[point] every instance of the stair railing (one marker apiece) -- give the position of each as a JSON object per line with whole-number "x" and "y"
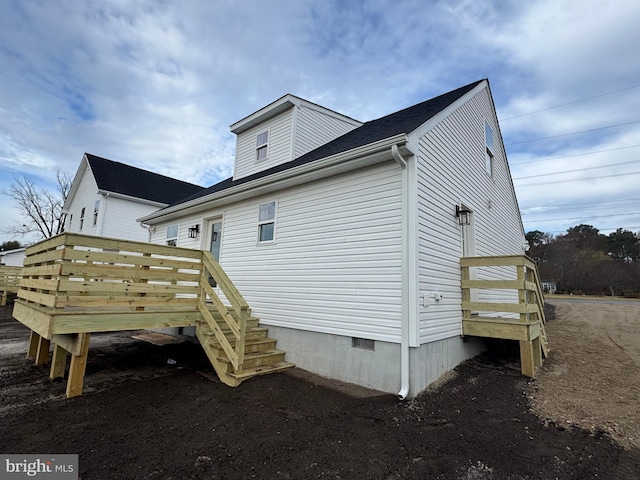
{"x": 235, "y": 319}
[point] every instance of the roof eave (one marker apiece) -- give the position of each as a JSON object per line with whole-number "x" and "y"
{"x": 358, "y": 157}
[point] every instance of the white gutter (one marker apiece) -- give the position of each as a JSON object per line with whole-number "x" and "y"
{"x": 342, "y": 161}
{"x": 404, "y": 310}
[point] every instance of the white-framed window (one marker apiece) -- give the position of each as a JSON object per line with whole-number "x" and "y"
{"x": 96, "y": 207}
{"x": 70, "y": 220}
{"x": 262, "y": 146}
{"x": 81, "y": 218}
{"x": 266, "y": 222}
{"x": 172, "y": 235}
{"x": 488, "y": 154}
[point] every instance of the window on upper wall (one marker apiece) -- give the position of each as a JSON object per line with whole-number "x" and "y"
{"x": 96, "y": 207}
{"x": 262, "y": 145}
{"x": 172, "y": 235}
{"x": 70, "y": 220}
{"x": 488, "y": 155}
{"x": 266, "y": 222}
{"x": 81, "y": 218}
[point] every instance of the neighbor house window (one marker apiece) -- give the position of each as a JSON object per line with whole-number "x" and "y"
{"x": 96, "y": 207}
{"x": 172, "y": 235}
{"x": 266, "y": 222}
{"x": 488, "y": 155}
{"x": 262, "y": 144}
{"x": 81, "y": 218}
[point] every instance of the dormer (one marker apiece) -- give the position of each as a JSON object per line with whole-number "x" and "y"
{"x": 284, "y": 130}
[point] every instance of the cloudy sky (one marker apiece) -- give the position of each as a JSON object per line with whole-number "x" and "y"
{"x": 156, "y": 84}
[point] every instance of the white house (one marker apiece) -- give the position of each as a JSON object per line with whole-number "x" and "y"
{"x": 107, "y": 197}
{"x": 346, "y": 237}
{"x": 12, "y": 258}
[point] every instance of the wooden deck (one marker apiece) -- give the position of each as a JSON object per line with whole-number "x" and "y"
{"x": 522, "y": 319}
{"x": 9, "y": 279}
{"x": 73, "y": 285}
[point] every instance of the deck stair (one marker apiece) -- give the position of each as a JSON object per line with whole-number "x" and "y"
{"x": 502, "y": 298}
{"x": 260, "y": 354}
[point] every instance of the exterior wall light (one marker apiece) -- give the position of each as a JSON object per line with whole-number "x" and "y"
{"x": 463, "y": 215}
{"x": 194, "y": 231}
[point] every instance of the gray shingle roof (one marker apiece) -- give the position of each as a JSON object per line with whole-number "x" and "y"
{"x": 124, "y": 179}
{"x": 403, "y": 121}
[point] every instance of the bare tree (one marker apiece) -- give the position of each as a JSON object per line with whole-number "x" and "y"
{"x": 41, "y": 208}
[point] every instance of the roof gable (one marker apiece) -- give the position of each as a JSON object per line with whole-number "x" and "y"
{"x": 402, "y": 121}
{"x": 116, "y": 177}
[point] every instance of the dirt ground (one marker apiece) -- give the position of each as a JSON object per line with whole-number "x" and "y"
{"x": 143, "y": 417}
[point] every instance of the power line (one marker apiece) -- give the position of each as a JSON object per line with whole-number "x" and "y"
{"x": 578, "y": 179}
{"x": 577, "y": 170}
{"x": 573, "y": 133}
{"x": 575, "y": 155}
{"x": 573, "y": 102}
{"x": 580, "y": 216}
{"x": 615, "y": 203}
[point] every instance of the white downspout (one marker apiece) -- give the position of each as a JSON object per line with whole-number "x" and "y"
{"x": 404, "y": 317}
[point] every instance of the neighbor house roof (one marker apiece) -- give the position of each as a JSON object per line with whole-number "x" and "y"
{"x": 403, "y": 121}
{"x": 116, "y": 177}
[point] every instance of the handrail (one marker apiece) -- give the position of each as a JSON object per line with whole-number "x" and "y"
{"x": 235, "y": 319}
{"x": 521, "y": 283}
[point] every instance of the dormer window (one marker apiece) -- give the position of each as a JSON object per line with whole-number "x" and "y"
{"x": 262, "y": 144}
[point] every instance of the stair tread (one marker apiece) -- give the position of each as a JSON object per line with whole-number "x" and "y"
{"x": 255, "y": 355}
{"x": 262, "y": 370}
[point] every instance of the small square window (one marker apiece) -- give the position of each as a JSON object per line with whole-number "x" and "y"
{"x": 172, "y": 235}
{"x": 266, "y": 222}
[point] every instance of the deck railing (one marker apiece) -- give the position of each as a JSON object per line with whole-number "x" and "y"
{"x": 76, "y": 284}
{"x": 518, "y": 314}
{"x": 9, "y": 279}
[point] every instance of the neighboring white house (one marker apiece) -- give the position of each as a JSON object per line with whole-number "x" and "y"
{"x": 346, "y": 237}
{"x": 549, "y": 287}
{"x": 107, "y": 197}
{"x": 12, "y": 258}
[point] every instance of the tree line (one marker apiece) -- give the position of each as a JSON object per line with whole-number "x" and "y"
{"x": 585, "y": 261}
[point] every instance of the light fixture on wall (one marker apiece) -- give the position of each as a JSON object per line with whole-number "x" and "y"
{"x": 194, "y": 231}
{"x": 463, "y": 214}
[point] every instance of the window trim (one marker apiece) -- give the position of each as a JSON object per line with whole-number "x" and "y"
{"x": 96, "y": 209}
{"x": 267, "y": 221}
{"x": 172, "y": 241}
{"x": 81, "y": 218}
{"x": 262, "y": 146}
{"x": 489, "y": 149}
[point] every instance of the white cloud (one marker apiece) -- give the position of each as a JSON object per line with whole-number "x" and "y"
{"x": 157, "y": 84}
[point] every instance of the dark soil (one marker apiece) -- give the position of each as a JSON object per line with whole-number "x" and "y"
{"x": 141, "y": 418}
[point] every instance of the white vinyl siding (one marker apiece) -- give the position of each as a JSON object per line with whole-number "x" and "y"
{"x": 315, "y": 128}
{"x": 120, "y": 219}
{"x": 279, "y": 145}
{"x": 451, "y": 169}
{"x": 336, "y": 265}
{"x": 85, "y": 197}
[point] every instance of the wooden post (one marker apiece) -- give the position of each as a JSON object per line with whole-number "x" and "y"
{"x": 77, "y": 367}
{"x": 34, "y": 339}
{"x": 3, "y": 301}
{"x": 527, "y": 362}
{"x": 537, "y": 352}
{"x": 58, "y": 362}
{"x": 466, "y": 293}
{"x": 42, "y": 356}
